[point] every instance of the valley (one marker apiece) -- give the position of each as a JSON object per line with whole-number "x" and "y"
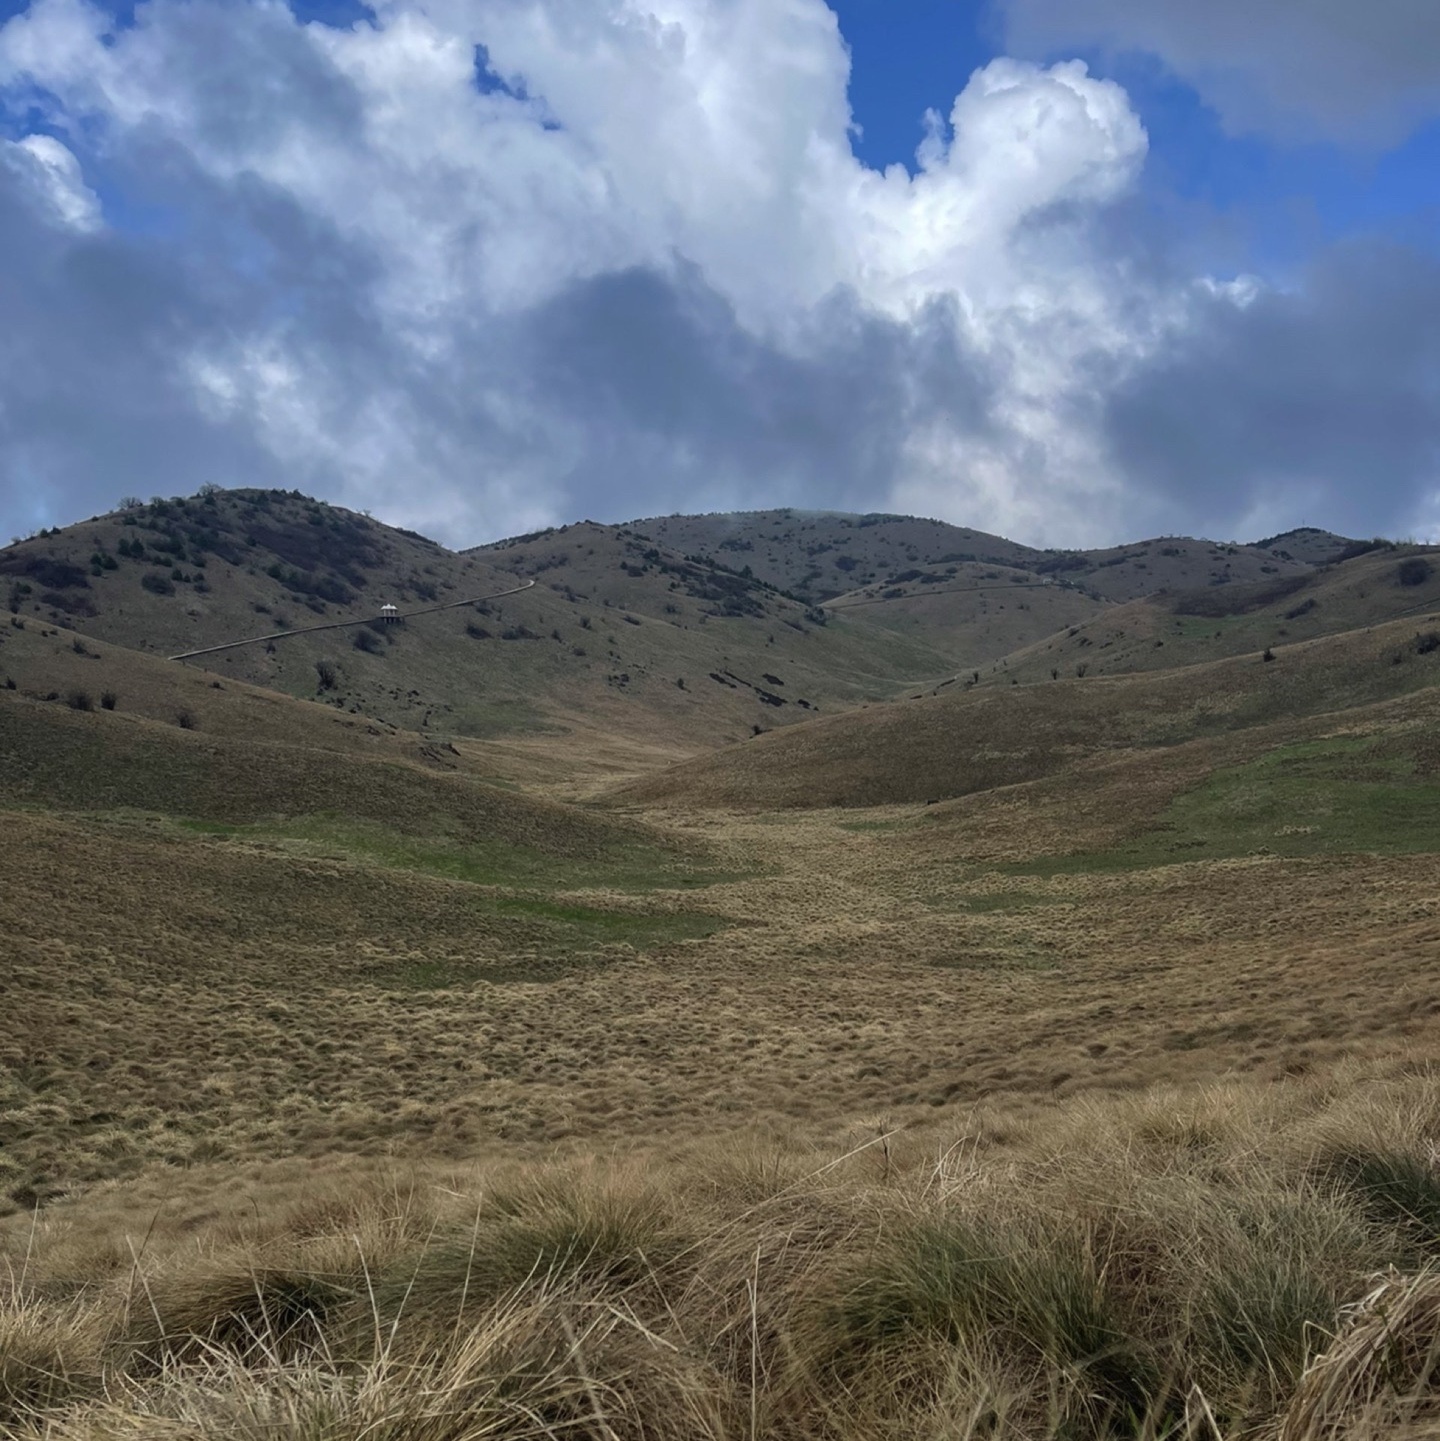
{"x": 928, "y": 1020}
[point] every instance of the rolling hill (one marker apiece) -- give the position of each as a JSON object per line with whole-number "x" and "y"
{"x": 822, "y": 555}
{"x": 664, "y": 637}
{"x": 974, "y": 596}
{"x": 1381, "y": 584}
{"x": 966, "y": 738}
{"x": 616, "y": 638}
{"x": 1053, "y": 1051}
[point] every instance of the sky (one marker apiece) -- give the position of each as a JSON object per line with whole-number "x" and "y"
{"x": 1072, "y": 271}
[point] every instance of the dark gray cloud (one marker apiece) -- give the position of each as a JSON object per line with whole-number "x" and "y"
{"x": 634, "y": 391}
{"x": 1322, "y": 401}
{"x": 679, "y": 404}
{"x": 91, "y": 404}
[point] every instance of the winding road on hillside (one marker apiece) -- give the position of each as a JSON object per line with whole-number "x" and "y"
{"x": 345, "y": 624}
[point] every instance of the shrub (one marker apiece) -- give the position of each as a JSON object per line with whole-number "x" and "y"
{"x": 1257, "y": 1320}
{"x": 157, "y": 584}
{"x": 1356, "y": 548}
{"x": 325, "y": 671}
{"x": 1427, "y": 641}
{"x": 108, "y": 700}
{"x": 1415, "y": 570}
{"x": 476, "y": 632}
{"x": 79, "y": 700}
{"x": 185, "y": 719}
{"x": 617, "y": 1236}
{"x": 368, "y": 641}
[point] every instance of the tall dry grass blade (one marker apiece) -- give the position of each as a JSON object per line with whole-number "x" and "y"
{"x": 1381, "y": 1371}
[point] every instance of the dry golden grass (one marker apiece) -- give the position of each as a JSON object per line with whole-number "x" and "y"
{"x": 1143, "y": 1267}
{"x": 189, "y": 997}
{"x": 960, "y": 742}
{"x": 344, "y": 1097}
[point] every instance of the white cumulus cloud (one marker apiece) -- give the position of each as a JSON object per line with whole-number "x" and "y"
{"x": 54, "y": 176}
{"x": 1292, "y": 67}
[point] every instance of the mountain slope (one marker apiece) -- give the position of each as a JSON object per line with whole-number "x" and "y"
{"x": 974, "y": 596}
{"x": 616, "y": 638}
{"x": 1386, "y": 583}
{"x": 967, "y": 740}
{"x": 821, "y": 555}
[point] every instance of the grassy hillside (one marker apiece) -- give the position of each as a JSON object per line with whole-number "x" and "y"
{"x": 821, "y": 555}
{"x": 1183, "y": 627}
{"x": 175, "y": 575}
{"x": 911, "y": 1121}
{"x": 616, "y": 638}
{"x": 967, "y": 739}
{"x": 977, "y": 613}
{"x": 1124, "y": 1270}
{"x": 974, "y": 596}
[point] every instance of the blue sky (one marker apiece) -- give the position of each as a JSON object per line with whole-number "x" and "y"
{"x": 1192, "y": 287}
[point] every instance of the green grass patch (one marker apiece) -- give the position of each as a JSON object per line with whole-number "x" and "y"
{"x": 562, "y": 940}
{"x": 636, "y": 868}
{"x": 1204, "y": 627}
{"x": 1344, "y": 795}
{"x": 500, "y": 718}
{"x": 993, "y": 901}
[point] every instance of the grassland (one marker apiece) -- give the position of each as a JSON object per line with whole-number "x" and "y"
{"x": 351, "y": 1095}
{"x": 964, "y": 741}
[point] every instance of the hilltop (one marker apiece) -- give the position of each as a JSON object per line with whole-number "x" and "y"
{"x": 822, "y": 556}
{"x": 691, "y": 631}
{"x": 975, "y": 596}
{"x": 618, "y": 638}
{"x": 1376, "y": 583}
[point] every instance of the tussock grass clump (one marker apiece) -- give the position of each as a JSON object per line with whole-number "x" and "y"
{"x": 615, "y": 1235}
{"x": 1381, "y": 1376}
{"x": 48, "y": 1356}
{"x": 251, "y": 1313}
{"x": 1394, "y": 1187}
{"x": 540, "y": 1366}
{"x": 1132, "y": 1269}
{"x": 1026, "y": 1296}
